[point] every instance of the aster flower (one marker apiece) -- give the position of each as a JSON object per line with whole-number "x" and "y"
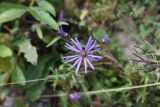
{"x": 74, "y": 96}
{"x": 82, "y": 54}
{"x": 62, "y": 32}
{"x": 105, "y": 38}
{"x": 61, "y": 16}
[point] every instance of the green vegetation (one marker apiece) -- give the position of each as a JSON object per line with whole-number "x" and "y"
{"x": 33, "y": 72}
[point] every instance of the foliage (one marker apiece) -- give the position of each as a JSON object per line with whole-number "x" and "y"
{"x": 31, "y": 49}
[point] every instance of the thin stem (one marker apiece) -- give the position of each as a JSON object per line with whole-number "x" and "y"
{"x": 20, "y": 82}
{"x": 32, "y": 3}
{"x": 121, "y": 89}
{"x": 105, "y": 90}
{"x": 88, "y": 92}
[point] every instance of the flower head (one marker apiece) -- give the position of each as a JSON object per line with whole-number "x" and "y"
{"x": 74, "y": 96}
{"x": 61, "y": 16}
{"x": 61, "y": 31}
{"x": 82, "y": 54}
{"x": 105, "y": 38}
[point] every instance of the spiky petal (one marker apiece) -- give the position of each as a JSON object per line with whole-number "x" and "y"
{"x": 84, "y": 55}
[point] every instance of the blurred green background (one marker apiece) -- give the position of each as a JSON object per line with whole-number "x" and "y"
{"x": 31, "y": 48}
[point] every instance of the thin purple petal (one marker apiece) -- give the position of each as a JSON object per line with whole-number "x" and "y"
{"x": 61, "y": 31}
{"x": 95, "y": 56}
{"x": 77, "y": 44}
{"x": 78, "y": 66}
{"x": 80, "y": 46}
{"x": 72, "y": 59}
{"x": 85, "y": 65}
{"x": 91, "y": 51}
{"x": 70, "y": 56}
{"x": 76, "y": 62}
{"x": 94, "y": 43}
{"x": 61, "y": 16}
{"x": 90, "y": 64}
{"x": 71, "y": 48}
{"x": 88, "y": 43}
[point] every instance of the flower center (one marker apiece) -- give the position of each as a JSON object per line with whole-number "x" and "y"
{"x": 83, "y": 53}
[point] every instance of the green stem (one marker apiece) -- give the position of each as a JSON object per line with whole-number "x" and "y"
{"x": 32, "y": 3}
{"x": 120, "y": 89}
{"x": 105, "y": 90}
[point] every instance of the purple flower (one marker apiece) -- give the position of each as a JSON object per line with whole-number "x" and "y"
{"x": 105, "y": 38}
{"x": 74, "y": 96}
{"x": 82, "y": 54}
{"x": 61, "y": 16}
{"x": 61, "y": 31}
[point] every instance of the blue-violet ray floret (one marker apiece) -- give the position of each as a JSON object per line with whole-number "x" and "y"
{"x": 83, "y": 55}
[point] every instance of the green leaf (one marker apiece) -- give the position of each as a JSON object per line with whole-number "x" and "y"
{"x": 144, "y": 31}
{"x": 44, "y": 17}
{"x": 21, "y": 103}
{"x": 6, "y": 64}
{"x": 35, "y": 92}
{"x": 18, "y": 76}
{"x": 5, "y": 51}
{"x": 99, "y": 33}
{"x": 63, "y": 100}
{"x": 30, "y": 52}
{"x": 38, "y": 30}
{"x": 47, "y": 6}
{"x": 8, "y": 6}
{"x": 138, "y": 10}
{"x": 35, "y": 89}
{"x": 54, "y": 41}
{"x": 11, "y": 14}
{"x": 2, "y": 78}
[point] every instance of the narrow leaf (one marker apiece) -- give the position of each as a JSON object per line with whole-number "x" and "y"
{"x": 38, "y": 30}
{"x": 63, "y": 23}
{"x": 54, "y": 41}
{"x": 7, "y": 6}
{"x": 11, "y": 14}
{"x": 44, "y": 17}
{"x": 47, "y": 6}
